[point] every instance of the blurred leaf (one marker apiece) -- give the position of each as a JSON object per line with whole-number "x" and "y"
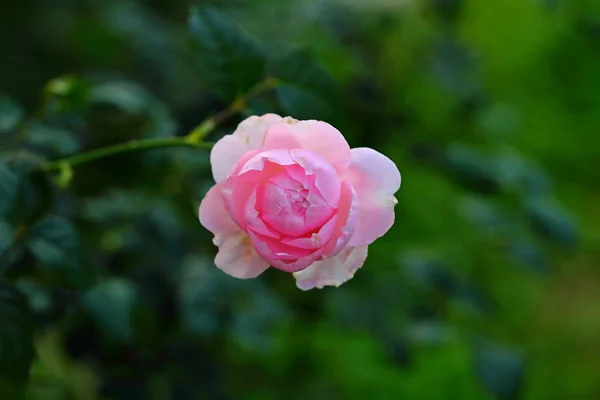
{"x": 55, "y": 243}
{"x": 128, "y": 108}
{"x": 54, "y": 141}
{"x": 8, "y": 188}
{"x": 116, "y": 206}
{"x": 66, "y": 94}
{"x": 55, "y": 376}
{"x": 38, "y": 295}
{"x": 302, "y": 104}
{"x": 429, "y": 333}
{"x": 228, "y": 60}
{"x": 430, "y": 273}
{"x": 529, "y": 254}
{"x": 448, "y": 9}
{"x": 436, "y": 275}
{"x": 550, "y": 220}
{"x": 500, "y": 369}
{"x": 126, "y": 97}
{"x": 300, "y": 68}
{"x": 258, "y": 313}
{"x": 485, "y": 213}
{"x": 260, "y": 106}
{"x": 454, "y": 68}
{"x": 16, "y": 340}
{"x": 10, "y": 115}
{"x": 33, "y": 197}
{"x": 6, "y": 236}
{"x": 112, "y": 304}
{"x": 305, "y": 90}
{"x": 199, "y": 291}
{"x": 472, "y": 170}
{"x": 499, "y": 120}
{"x": 520, "y": 174}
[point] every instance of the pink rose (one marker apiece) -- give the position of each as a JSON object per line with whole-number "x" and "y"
{"x": 292, "y": 195}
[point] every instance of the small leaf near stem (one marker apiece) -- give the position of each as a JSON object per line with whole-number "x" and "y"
{"x": 65, "y": 175}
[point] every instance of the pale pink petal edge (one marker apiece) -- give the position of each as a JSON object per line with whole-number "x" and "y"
{"x": 333, "y": 271}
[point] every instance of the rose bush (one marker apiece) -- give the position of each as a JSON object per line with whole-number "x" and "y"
{"x": 293, "y": 195}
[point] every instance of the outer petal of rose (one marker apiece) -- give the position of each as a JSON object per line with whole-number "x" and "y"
{"x": 213, "y": 215}
{"x": 375, "y": 179}
{"x": 249, "y": 135}
{"x": 236, "y": 255}
{"x": 333, "y": 271}
{"x": 316, "y": 136}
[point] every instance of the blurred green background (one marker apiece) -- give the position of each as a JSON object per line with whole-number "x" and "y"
{"x": 487, "y": 287}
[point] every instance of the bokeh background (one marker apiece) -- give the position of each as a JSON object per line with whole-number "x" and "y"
{"x": 487, "y": 287}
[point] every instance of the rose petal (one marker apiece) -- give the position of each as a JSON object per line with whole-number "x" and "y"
{"x": 331, "y": 238}
{"x": 333, "y": 271}
{"x": 316, "y": 136}
{"x": 346, "y": 222}
{"x": 249, "y": 135}
{"x": 236, "y": 256}
{"x": 213, "y": 215}
{"x": 375, "y": 179}
{"x": 237, "y": 189}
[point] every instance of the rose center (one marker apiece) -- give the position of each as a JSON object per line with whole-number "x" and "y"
{"x": 292, "y": 204}
{"x": 298, "y": 202}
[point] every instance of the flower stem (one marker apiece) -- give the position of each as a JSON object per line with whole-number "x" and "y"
{"x": 123, "y": 148}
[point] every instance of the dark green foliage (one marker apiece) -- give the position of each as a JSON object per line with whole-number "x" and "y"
{"x": 551, "y": 221}
{"x": 8, "y": 188}
{"x": 10, "y": 115}
{"x": 112, "y": 305}
{"x": 52, "y": 141}
{"x": 16, "y": 336}
{"x": 227, "y": 59}
{"x": 28, "y": 188}
{"x": 485, "y": 288}
{"x": 472, "y": 170}
{"x": 501, "y": 370}
{"x": 305, "y": 90}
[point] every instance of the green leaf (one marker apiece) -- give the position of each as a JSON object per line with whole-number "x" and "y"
{"x": 306, "y": 91}
{"x": 112, "y": 304}
{"x": 472, "y": 170}
{"x": 127, "y": 97}
{"x": 198, "y": 297}
{"x": 228, "y": 60}
{"x": 500, "y": 369}
{"x": 6, "y": 236}
{"x": 302, "y": 104}
{"x": 10, "y": 115}
{"x": 16, "y": 340}
{"x": 55, "y": 243}
{"x": 66, "y": 94}
{"x": 300, "y": 68}
{"x": 551, "y": 221}
{"x": 122, "y": 108}
{"x": 33, "y": 195}
{"x": 8, "y": 188}
{"x": 56, "y": 142}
